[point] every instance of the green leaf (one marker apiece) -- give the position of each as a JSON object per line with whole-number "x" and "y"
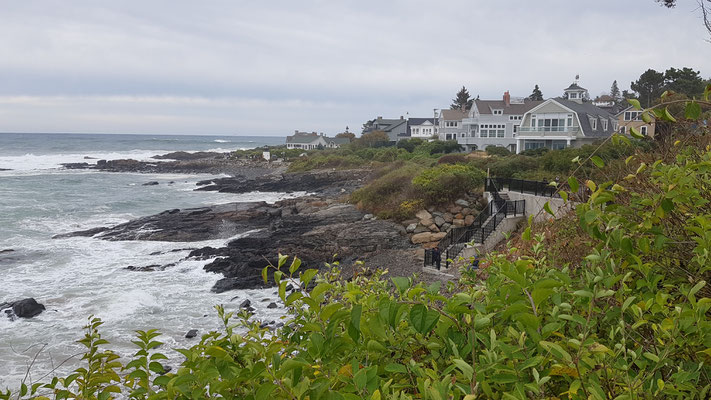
{"x": 466, "y": 369}
{"x": 282, "y": 260}
{"x": 597, "y": 161}
{"x": 573, "y": 183}
{"x": 635, "y": 133}
{"x": 635, "y": 103}
{"x": 547, "y": 207}
{"x": 556, "y": 350}
{"x": 422, "y": 319}
{"x": 563, "y": 195}
{"x": 395, "y": 368}
{"x": 401, "y": 283}
{"x": 692, "y": 111}
{"x": 282, "y": 290}
{"x": 668, "y": 116}
{"x": 646, "y": 117}
{"x": 265, "y": 272}
{"x": 526, "y": 235}
{"x": 651, "y": 356}
{"x": 354, "y": 325}
{"x": 265, "y": 390}
{"x": 308, "y": 275}
{"x": 295, "y": 264}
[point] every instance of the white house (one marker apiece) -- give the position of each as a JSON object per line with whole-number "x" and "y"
{"x": 313, "y": 140}
{"x": 494, "y": 122}
{"x": 559, "y": 123}
{"x": 423, "y": 128}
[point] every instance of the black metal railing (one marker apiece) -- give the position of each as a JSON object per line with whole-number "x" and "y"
{"x": 483, "y": 226}
{"x": 537, "y": 188}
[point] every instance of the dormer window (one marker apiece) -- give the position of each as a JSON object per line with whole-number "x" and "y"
{"x": 604, "y": 124}
{"x": 593, "y": 123}
{"x": 498, "y": 112}
{"x": 573, "y": 95}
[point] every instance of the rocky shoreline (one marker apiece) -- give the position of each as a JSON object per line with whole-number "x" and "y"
{"x": 317, "y": 228}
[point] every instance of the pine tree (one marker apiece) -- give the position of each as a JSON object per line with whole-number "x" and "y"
{"x": 462, "y": 101}
{"x": 536, "y": 95}
{"x": 615, "y": 92}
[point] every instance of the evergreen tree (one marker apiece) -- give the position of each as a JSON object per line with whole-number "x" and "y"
{"x": 615, "y": 92}
{"x": 685, "y": 81}
{"x": 462, "y": 101}
{"x": 649, "y": 86}
{"x": 537, "y": 94}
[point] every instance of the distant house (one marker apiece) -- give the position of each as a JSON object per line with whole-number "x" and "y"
{"x": 632, "y": 118}
{"x": 313, "y": 140}
{"x": 396, "y": 129}
{"x": 494, "y": 122}
{"x": 450, "y": 124}
{"x": 570, "y": 121}
{"x": 423, "y": 128}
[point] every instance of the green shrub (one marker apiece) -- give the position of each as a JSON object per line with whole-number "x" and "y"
{"x": 446, "y": 182}
{"x": 535, "y": 152}
{"x": 497, "y": 151}
{"x": 391, "y": 187}
{"x": 453, "y": 159}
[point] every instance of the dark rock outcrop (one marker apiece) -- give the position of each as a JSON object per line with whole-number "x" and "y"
{"x": 25, "y": 308}
{"x": 191, "y": 333}
{"x": 151, "y": 183}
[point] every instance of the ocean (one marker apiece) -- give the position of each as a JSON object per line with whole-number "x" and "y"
{"x": 78, "y": 277}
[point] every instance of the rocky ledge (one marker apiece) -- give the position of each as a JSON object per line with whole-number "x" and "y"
{"x": 25, "y": 308}
{"x": 315, "y": 229}
{"x": 187, "y": 163}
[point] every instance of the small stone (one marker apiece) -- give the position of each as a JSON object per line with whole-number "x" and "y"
{"x": 433, "y": 228}
{"x": 439, "y": 221}
{"x": 458, "y": 222}
{"x": 448, "y": 217}
{"x": 411, "y": 228}
{"x": 462, "y": 202}
{"x": 423, "y": 214}
{"x": 151, "y": 183}
{"x": 245, "y": 304}
{"x": 459, "y": 216}
{"x": 289, "y": 287}
{"x": 420, "y": 228}
{"x": 466, "y": 211}
{"x": 368, "y": 216}
{"x": 445, "y": 227}
{"x": 455, "y": 209}
{"x": 272, "y": 305}
{"x": 468, "y": 220}
{"x": 191, "y": 333}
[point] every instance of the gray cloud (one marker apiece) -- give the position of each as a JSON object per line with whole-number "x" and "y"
{"x": 230, "y": 67}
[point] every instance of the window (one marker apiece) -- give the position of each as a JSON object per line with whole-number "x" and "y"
{"x": 515, "y": 129}
{"x": 451, "y": 124}
{"x": 550, "y": 125}
{"x": 498, "y": 112}
{"x": 492, "y": 130}
{"x": 593, "y": 123}
{"x": 614, "y": 126}
{"x": 573, "y": 95}
{"x": 622, "y": 130}
{"x": 515, "y": 117}
{"x": 558, "y": 144}
{"x": 533, "y": 144}
{"x": 570, "y": 119}
{"x": 604, "y": 124}
{"x": 643, "y": 130}
{"x": 633, "y": 115}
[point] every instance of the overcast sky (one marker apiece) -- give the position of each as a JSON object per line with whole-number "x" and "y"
{"x": 268, "y": 68}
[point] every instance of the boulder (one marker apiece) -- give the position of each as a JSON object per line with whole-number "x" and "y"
{"x": 423, "y": 214}
{"x": 462, "y": 202}
{"x": 458, "y": 222}
{"x": 468, "y": 220}
{"x": 272, "y": 305}
{"x": 420, "y": 228}
{"x": 459, "y": 216}
{"x": 448, "y": 217}
{"x": 439, "y": 221}
{"x": 455, "y": 209}
{"x": 411, "y": 228}
{"x": 445, "y": 227}
{"x": 245, "y": 304}
{"x": 151, "y": 183}
{"x": 466, "y": 211}
{"x": 433, "y": 228}
{"x": 427, "y": 237}
{"x": 27, "y": 308}
{"x": 191, "y": 333}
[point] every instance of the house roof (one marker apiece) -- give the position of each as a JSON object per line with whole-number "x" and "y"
{"x": 337, "y": 140}
{"x": 486, "y": 106}
{"x": 574, "y": 86}
{"x": 586, "y": 111}
{"x": 420, "y": 121}
{"x": 303, "y": 139}
{"x": 454, "y": 115}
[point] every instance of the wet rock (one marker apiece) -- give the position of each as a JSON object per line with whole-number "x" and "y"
{"x": 191, "y": 333}
{"x": 272, "y": 305}
{"x": 245, "y": 304}
{"x": 25, "y": 308}
{"x": 151, "y": 183}
{"x": 289, "y": 287}
{"x": 6, "y": 251}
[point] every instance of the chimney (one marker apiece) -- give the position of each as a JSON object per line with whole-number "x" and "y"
{"x": 402, "y": 117}
{"x": 380, "y": 118}
{"x": 507, "y": 98}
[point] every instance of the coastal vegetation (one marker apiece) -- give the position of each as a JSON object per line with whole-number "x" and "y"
{"x": 609, "y": 302}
